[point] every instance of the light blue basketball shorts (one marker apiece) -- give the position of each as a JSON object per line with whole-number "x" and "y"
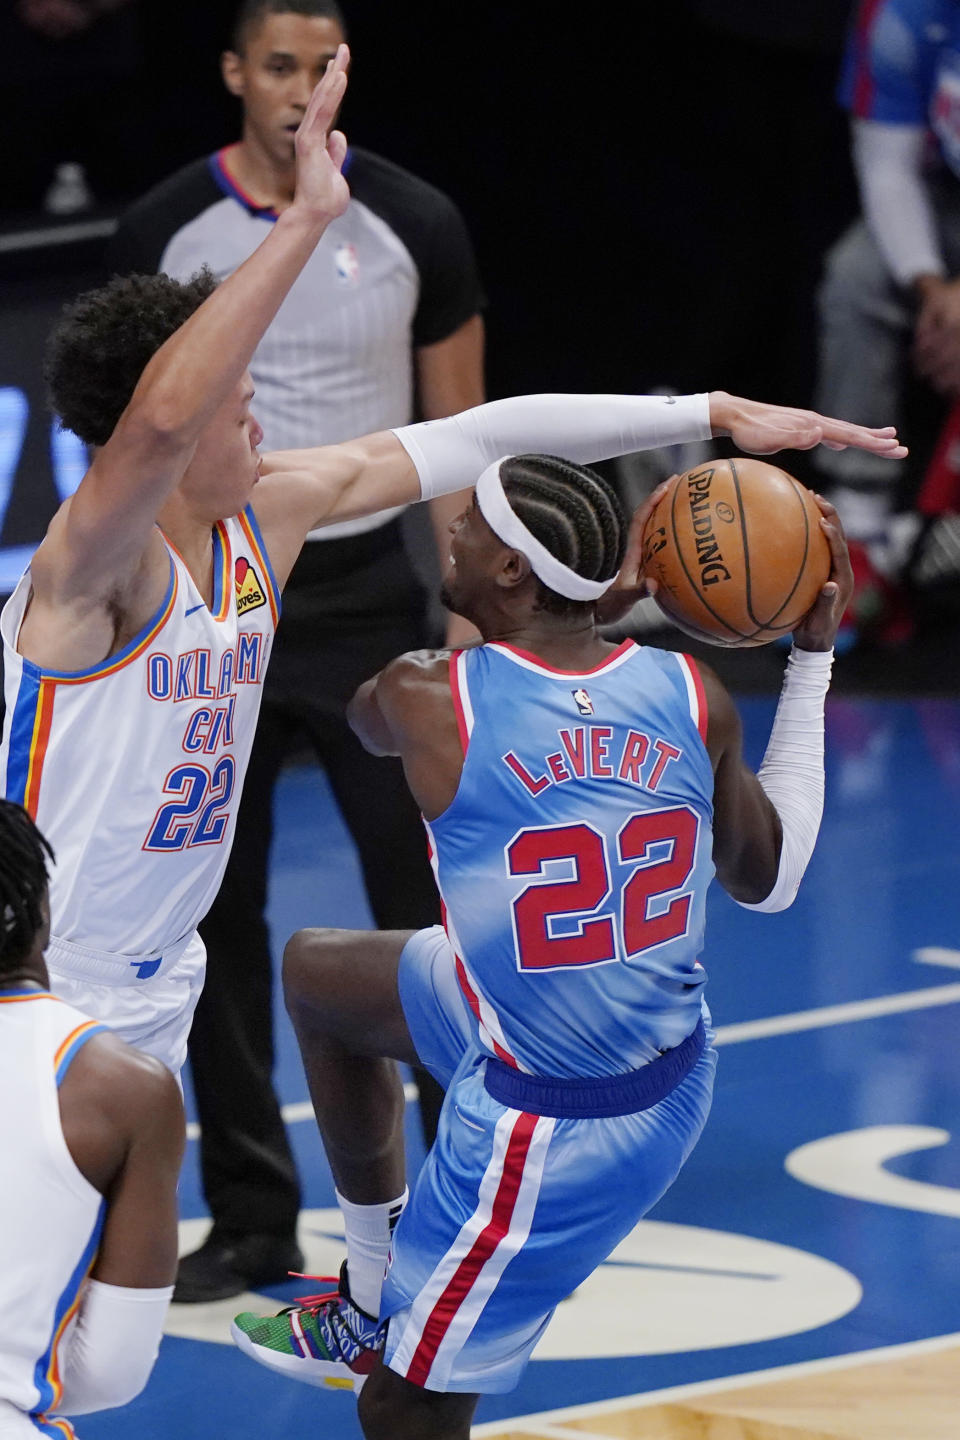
{"x": 512, "y": 1210}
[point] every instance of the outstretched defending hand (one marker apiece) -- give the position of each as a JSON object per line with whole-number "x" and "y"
{"x": 819, "y": 627}
{"x": 762, "y": 429}
{"x": 321, "y": 188}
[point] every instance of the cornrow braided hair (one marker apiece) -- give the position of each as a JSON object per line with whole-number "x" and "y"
{"x": 23, "y": 884}
{"x": 571, "y": 510}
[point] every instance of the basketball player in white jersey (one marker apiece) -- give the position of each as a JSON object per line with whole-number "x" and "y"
{"x": 92, "y": 1136}
{"x": 135, "y": 646}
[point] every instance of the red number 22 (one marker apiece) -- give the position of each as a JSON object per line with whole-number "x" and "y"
{"x": 594, "y": 939}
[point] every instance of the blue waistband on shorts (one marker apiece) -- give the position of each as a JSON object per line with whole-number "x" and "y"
{"x": 597, "y": 1096}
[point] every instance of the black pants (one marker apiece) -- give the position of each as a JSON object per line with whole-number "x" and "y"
{"x": 351, "y": 606}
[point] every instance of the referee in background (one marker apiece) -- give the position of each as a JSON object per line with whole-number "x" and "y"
{"x": 385, "y": 318}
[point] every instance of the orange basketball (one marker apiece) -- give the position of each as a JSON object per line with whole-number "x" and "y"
{"x": 737, "y": 552}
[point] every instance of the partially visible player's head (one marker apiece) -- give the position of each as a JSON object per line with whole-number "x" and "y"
{"x": 100, "y": 348}
{"x": 574, "y": 514}
{"x": 104, "y": 340}
{"x": 24, "y": 911}
{"x": 279, "y": 51}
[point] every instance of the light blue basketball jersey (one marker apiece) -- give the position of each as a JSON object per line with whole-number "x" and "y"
{"x": 574, "y": 861}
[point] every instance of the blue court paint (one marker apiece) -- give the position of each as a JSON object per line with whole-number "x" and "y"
{"x": 885, "y": 880}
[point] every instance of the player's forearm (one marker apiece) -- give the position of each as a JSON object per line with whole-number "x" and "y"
{"x": 792, "y": 771}
{"x": 450, "y": 454}
{"x": 195, "y": 371}
{"x": 440, "y": 457}
{"x": 108, "y": 1355}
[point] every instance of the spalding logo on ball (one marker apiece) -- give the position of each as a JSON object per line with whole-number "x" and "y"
{"x": 737, "y": 552}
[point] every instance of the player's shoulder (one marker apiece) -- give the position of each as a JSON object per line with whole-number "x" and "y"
{"x": 412, "y": 683}
{"x": 724, "y": 728}
{"x": 133, "y": 1088}
{"x": 416, "y": 667}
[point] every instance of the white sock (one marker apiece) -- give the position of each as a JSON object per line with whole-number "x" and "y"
{"x": 369, "y": 1230}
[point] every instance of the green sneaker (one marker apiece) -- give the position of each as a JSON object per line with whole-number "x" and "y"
{"x": 323, "y": 1339}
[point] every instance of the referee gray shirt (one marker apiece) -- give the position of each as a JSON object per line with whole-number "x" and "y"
{"x": 396, "y": 271}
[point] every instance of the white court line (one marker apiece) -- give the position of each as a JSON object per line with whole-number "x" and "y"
{"x": 729, "y": 1382}
{"x": 838, "y": 1014}
{"x": 746, "y": 1030}
{"x": 937, "y": 955}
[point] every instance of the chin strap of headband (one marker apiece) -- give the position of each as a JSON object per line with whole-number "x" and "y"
{"x": 508, "y": 527}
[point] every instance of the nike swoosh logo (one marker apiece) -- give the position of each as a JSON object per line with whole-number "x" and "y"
{"x": 194, "y": 608}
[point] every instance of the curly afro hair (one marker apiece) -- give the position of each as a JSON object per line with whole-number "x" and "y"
{"x": 104, "y": 341}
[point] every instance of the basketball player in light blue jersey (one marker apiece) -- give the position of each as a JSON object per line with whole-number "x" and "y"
{"x": 578, "y": 798}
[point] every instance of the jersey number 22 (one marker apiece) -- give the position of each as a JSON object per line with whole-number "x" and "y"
{"x": 591, "y": 941}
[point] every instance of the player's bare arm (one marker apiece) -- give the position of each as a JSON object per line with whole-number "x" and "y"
{"x": 747, "y": 829}
{"x": 303, "y": 489}
{"x": 408, "y": 710}
{"x": 102, "y": 569}
{"x": 123, "y": 1121}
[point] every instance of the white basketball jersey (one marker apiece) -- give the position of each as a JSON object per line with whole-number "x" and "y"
{"x": 50, "y": 1215}
{"x": 133, "y": 768}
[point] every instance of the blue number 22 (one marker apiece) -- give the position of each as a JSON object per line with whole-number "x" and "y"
{"x": 199, "y": 794}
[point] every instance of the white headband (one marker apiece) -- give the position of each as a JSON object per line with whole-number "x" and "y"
{"x": 508, "y": 527}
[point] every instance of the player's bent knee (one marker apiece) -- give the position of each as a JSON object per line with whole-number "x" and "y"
{"x": 308, "y": 959}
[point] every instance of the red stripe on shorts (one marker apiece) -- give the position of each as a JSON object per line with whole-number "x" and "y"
{"x": 497, "y": 1228}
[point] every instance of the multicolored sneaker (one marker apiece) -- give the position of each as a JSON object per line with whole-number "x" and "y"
{"x": 322, "y": 1339}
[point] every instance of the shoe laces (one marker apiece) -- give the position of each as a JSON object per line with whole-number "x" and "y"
{"x": 322, "y": 1298}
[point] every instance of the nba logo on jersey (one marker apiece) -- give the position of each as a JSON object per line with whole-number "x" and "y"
{"x": 250, "y": 592}
{"x": 347, "y": 263}
{"x": 583, "y": 702}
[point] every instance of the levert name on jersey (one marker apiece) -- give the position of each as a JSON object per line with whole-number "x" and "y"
{"x": 594, "y": 752}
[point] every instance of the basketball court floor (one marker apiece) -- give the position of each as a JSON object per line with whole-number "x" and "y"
{"x": 801, "y": 1281}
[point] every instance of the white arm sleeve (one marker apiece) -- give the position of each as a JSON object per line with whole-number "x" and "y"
{"x": 450, "y": 454}
{"x": 792, "y": 769}
{"x": 107, "y": 1355}
{"x": 888, "y": 160}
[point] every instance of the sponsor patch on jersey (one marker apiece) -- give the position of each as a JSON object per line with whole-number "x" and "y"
{"x": 250, "y": 593}
{"x": 348, "y": 264}
{"x": 582, "y": 701}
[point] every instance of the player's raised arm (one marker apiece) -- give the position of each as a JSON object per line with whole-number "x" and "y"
{"x": 100, "y": 536}
{"x": 765, "y": 826}
{"x": 308, "y": 488}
